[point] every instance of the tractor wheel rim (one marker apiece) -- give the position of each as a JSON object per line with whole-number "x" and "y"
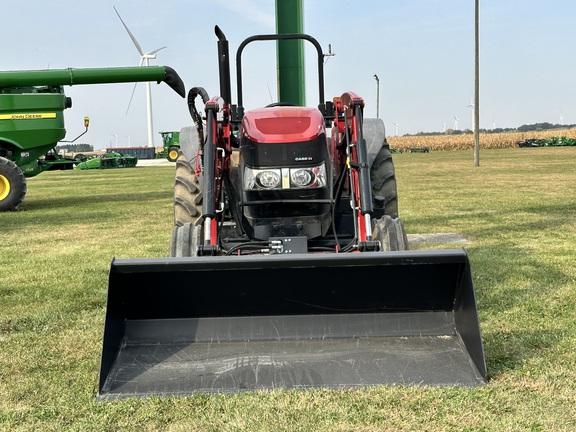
{"x": 4, "y": 187}
{"x": 173, "y": 154}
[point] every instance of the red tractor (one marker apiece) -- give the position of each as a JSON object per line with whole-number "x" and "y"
{"x": 275, "y": 180}
{"x": 288, "y": 263}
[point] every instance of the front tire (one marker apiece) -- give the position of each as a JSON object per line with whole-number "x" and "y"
{"x": 12, "y": 185}
{"x": 185, "y": 240}
{"x": 390, "y": 233}
{"x": 172, "y": 154}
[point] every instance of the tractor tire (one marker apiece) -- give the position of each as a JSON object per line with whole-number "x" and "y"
{"x": 185, "y": 240}
{"x": 187, "y": 193}
{"x": 383, "y": 179}
{"x": 391, "y": 234}
{"x": 172, "y": 153}
{"x": 12, "y": 185}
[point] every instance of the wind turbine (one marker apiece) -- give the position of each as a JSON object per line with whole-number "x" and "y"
{"x": 144, "y": 61}
{"x": 455, "y": 123}
{"x": 396, "y": 124}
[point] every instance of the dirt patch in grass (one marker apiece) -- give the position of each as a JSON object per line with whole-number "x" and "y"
{"x": 435, "y": 239}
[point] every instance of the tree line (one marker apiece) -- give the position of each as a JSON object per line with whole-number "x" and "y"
{"x": 75, "y": 148}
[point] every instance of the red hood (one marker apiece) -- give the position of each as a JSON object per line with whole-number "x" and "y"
{"x": 283, "y": 124}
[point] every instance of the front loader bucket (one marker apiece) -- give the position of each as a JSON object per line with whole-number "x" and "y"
{"x": 180, "y": 326}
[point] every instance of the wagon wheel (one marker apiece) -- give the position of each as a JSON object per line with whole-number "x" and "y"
{"x": 12, "y": 185}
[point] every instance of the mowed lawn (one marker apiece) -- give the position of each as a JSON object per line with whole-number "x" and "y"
{"x": 516, "y": 212}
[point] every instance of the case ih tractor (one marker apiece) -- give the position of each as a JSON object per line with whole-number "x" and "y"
{"x": 289, "y": 266}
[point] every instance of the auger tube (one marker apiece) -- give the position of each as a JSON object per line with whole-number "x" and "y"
{"x": 79, "y": 76}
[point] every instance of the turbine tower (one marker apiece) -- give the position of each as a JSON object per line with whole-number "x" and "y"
{"x": 473, "y": 115}
{"x": 144, "y": 61}
{"x": 396, "y": 124}
{"x": 455, "y": 123}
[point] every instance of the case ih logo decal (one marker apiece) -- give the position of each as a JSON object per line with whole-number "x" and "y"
{"x": 303, "y": 158}
{"x": 27, "y": 116}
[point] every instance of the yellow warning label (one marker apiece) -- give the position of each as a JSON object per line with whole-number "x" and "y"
{"x": 27, "y": 116}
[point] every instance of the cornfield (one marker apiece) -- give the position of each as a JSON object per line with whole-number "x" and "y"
{"x": 466, "y": 141}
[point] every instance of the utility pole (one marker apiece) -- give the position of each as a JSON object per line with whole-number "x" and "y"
{"x": 377, "y": 96}
{"x": 476, "y": 88}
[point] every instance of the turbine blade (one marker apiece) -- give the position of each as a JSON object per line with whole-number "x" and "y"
{"x": 131, "y": 96}
{"x": 155, "y": 51}
{"x": 130, "y": 33}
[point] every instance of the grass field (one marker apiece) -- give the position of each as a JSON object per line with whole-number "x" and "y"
{"x": 516, "y": 211}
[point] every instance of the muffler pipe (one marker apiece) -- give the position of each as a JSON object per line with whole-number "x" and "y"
{"x": 224, "y": 66}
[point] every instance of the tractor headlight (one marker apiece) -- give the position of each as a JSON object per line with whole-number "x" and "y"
{"x": 268, "y": 179}
{"x": 262, "y": 179}
{"x": 300, "y": 178}
{"x": 314, "y": 177}
{"x": 285, "y": 178}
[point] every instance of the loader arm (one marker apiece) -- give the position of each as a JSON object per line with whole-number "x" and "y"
{"x": 349, "y": 121}
{"x": 215, "y": 158}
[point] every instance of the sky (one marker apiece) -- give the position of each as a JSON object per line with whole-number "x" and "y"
{"x": 421, "y": 50}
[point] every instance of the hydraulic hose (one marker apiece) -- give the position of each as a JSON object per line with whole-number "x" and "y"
{"x": 196, "y": 117}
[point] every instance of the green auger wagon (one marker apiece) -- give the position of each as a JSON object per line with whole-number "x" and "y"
{"x": 32, "y": 105}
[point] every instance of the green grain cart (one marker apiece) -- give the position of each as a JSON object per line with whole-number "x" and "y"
{"x": 32, "y": 105}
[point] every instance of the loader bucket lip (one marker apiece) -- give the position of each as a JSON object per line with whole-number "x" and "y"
{"x": 292, "y": 260}
{"x": 181, "y": 326}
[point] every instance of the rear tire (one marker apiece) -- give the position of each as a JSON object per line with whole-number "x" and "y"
{"x": 187, "y": 193}
{"x": 383, "y": 179}
{"x": 187, "y": 210}
{"x": 12, "y": 185}
{"x": 391, "y": 234}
